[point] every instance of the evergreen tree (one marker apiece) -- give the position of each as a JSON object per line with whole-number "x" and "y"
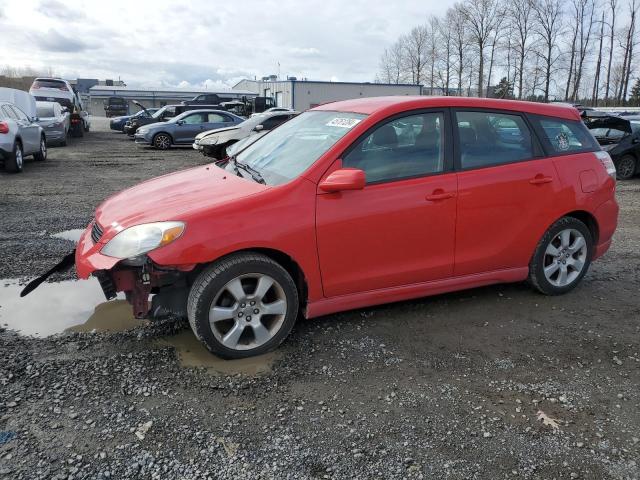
{"x": 634, "y": 99}
{"x": 504, "y": 89}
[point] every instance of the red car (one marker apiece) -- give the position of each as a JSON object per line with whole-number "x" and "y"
{"x": 358, "y": 203}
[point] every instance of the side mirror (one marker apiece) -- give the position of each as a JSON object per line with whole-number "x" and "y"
{"x": 344, "y": 179}
{"x": 34, "y": 119}
{"x": 180, "y": 122}
{"x": 258, "y": 128}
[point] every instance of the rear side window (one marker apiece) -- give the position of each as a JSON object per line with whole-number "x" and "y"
{"x": 491, "y": 138}
{"x": 8, "y": 112}
{"x": 566, "y": 136}
{"x": 50, "y": 84}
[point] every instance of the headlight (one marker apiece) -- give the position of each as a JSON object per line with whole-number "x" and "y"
{"x": 209, "y": 141}
{"x": 143, "y": 238}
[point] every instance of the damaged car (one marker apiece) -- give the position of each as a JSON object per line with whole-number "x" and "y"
{"x": 215, "y": 143}
{"x": 620, "y": 138}
{"x": 353, "y": 204}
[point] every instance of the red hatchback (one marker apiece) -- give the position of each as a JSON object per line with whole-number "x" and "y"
{"x": 358, "y": 203}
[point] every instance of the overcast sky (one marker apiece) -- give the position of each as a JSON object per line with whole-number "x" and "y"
{"x": 198, "y": 43}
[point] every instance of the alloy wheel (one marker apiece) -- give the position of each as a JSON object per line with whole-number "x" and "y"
{"x": 43, "y": 149}
{"x": 162, "y": 142}
{"x": 248, "y": 311}
{"x": 565, "y": 257}
{"x": 626, "y": 167}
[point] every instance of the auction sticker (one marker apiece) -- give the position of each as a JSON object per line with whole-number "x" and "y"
{"x": 343, "y": 122}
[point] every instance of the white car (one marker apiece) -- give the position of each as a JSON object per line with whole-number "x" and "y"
{"x": 214, "y": 143}
{"x": 272, "y": 110}
{"x": 61, "y": 91}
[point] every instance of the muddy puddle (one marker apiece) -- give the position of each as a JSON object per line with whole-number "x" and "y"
{"x": 75, "y": 305}
{"x": 192, "y": 354}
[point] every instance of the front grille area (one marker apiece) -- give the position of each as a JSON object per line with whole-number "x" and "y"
{"x": 96, "y": 232}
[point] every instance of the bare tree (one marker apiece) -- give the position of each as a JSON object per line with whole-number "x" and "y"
{"x": 482, "y": 17}
{"x": 444, "y": 29}
{"x": 392, "y": 64}
{"x": 613, "y": 7}
{"x": 596, "y": 81}
{"x": 521, "y": 19}
{"x": 584, "y": 18}
{"x": 548, "y": 16}
{"x": 628, "y": 52}
{"x": 495, "y": 43}
{"x": 415, "y": 52}
{"x": 457, "y": 20}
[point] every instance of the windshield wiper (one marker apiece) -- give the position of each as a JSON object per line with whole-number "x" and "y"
{"x": 250, "y": 170}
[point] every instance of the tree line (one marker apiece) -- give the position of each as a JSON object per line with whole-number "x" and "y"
{"x": 581, "y": 51}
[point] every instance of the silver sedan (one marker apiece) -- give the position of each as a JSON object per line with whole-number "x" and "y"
{"x": 55, "y": 122}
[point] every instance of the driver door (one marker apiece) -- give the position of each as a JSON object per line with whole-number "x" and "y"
{"x": 190, "y": 126}
{"x": 398, "y": 230}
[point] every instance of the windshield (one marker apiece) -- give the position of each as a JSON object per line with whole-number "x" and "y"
{"x": 60, "y": 85}
{"x": 294, "y": 146}
{"x": 45, "y": 111}
{"x": 635, "y": 126}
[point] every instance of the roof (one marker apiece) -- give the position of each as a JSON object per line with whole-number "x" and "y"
{"x": 392, "y": 104}
{"x": 368, "y": 84}
{"x": 115, "y": 88}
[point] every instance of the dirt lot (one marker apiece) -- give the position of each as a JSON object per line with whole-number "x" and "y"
{"x": 442, "y": 387}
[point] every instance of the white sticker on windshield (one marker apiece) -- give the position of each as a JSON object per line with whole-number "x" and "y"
{"x": 343, "y": 122}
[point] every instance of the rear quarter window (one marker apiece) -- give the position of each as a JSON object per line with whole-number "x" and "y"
{"x": 562, "y": 136}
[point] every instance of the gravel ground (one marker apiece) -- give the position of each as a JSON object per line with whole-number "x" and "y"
{"x": 443, "y": 387}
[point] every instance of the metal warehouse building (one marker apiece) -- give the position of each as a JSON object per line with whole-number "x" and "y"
{"x": 303, "y": 94}
{"x": 150, "y": 97}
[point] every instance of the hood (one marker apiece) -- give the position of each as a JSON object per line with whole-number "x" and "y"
{"x": 606, "y": 121}
{"x": 208, "y": 133}
{"x": 120, "y": 119}
{"x": 174, "y": 197}
{"x": 149, "y": 126}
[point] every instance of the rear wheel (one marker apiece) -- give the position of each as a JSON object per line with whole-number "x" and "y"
{"x": 15, "y": 162}
{"x": 626, "y": 168}
{"x": 243, "y": 305}
{"x": 162, "y": 141}
{"x": 562, "y": 257}
{"x": 41, "y": 156}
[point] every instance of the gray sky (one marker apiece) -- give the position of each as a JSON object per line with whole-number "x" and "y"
{"x": 198, "y": 43}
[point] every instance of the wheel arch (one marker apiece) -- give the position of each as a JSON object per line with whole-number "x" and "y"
{"x": 162, "y": 132}
{"x": 589, "y": 220}
{"x": 287, "y": 262}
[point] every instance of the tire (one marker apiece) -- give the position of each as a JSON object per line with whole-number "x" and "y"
{"x": 626, "y": 167}
{"x": 240, "y": 332}
{"x": 561, "y": 259}
{"x": 15, "y": 162}
{"x": 63, "y": 143}
{"x": 41, "y": 156}
{"x": 162, "y": 141}
{"x": 86, "y": 127}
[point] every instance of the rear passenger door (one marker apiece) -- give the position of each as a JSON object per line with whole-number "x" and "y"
{"x": 507, "y": 191}
{"x": 217, "y": 120}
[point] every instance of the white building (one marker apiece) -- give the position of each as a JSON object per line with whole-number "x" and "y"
{"x": 303, "y": 94}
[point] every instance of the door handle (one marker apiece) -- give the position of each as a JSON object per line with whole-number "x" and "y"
{"x": 440, "y": 194}
{"x": 540, "y": 179}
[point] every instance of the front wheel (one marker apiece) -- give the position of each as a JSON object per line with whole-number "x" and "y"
{"x": 162, "y": 141}
{"x": 243, "y": 305}
{"x": 562, "y": 257}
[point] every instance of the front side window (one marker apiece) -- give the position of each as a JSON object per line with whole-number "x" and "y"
{"x": 489, "y": 138}
{"x": 407, "y": 147}
{"x": 566, "y": 136}
{"x": 290, "y": 149}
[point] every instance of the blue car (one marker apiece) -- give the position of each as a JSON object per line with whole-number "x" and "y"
{"x": 182, "y": 130}
{"x": 117, "y": 123}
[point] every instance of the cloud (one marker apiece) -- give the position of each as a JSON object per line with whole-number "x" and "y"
{"x": 309, "y": 52}
{"x": 54, "y": 41}
{"x": 57, "y": 9}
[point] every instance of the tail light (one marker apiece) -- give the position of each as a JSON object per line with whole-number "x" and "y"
{"x": 607, "y": 163}
{"x": 4, "y": 127}
{"x": 75, "y": 120}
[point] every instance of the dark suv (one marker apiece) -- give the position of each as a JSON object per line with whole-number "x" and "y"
{"x": 165, "y": 113}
